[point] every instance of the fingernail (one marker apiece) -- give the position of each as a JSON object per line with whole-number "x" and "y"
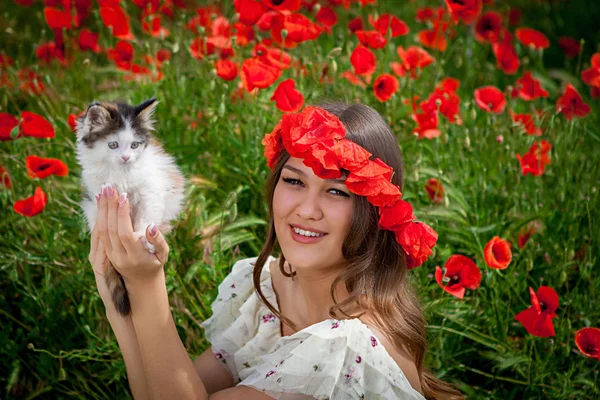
{"x": 153, "y": 230}
{"x": 110, "y": 191}
{"x": 98, "y": 197}
{"x": 105, "y": 191}
{"x": 122, "y": 198}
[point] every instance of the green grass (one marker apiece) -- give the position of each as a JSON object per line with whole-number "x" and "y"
{"x": 55, "y": 341}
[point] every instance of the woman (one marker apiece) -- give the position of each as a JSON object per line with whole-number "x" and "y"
{"x": 334, "y": 317}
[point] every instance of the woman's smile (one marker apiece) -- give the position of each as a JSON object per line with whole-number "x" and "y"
{"x": 305, "y": 235}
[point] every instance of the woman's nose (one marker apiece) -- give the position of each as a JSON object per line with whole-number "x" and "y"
{"x": 309, "y": 208}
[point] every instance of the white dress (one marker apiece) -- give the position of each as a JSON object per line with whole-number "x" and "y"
{"x": 330, "y": 360}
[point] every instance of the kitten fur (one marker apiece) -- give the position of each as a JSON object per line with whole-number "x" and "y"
{"x": 115, "y": 147}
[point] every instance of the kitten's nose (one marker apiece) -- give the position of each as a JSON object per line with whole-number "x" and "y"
{"x": 125, "y": 158}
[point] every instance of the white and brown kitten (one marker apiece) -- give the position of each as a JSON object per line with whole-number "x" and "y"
{"x": 115, "y": 147}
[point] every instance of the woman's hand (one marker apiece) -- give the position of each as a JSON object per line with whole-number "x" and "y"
{"x": 123, "y": 248}
{"x": 99, "y": 263}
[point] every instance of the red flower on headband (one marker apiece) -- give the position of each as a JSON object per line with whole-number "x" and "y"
{"x": 528, "y": 88}
{"x": 497, "y": 253}
{"x": 387, "y": 22}
{"x": 363, "y": 61}
{"x": 526, "y": 120}
{"x": 273, "y": 145}
{"x": 287, "y": 98}
{"x": 44, "y": 167}
{"x": 372, "y": 39}
{"x": 506, "y": 57}
{"x": 588, "y": 342}
{"x": 4, "y": 178}
{"x": 36, "y": 126}
{"x": 256, "y": 74}
{"x": 537, "y": 319}
{"x": 535, "y": 160}
{"x": 395, "y": 216}
{"x": 351, "y": 155}
{"x": 488, "y": 27}
{"x": 532, "y": 37}
{"x": 33, "y": 205}
{"x": 7, "y": 124}
{"x": 570, "y": 46}
{"x": 417, "y": 239}
{"x": 571, "y": 105}
{"x": 490, "y": 99}
{"x": 460, "y": 273}
{"x": 385, "y": 87}
{"x": 435, "y": 190}
{"x": 465, "y": 10}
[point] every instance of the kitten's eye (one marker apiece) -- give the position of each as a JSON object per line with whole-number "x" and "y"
{"x": 135, "y": 145}
{"x": 113, "y": 145}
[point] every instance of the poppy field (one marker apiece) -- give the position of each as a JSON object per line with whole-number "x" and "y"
{"x": 494, "y": 104}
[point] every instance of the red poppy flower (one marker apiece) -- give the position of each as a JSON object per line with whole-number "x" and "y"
{"x": 88, "y": 40}
{"x": 272, "y": 56}
{"x": 4, "y": 178}
{"x": 298, "y": 27}
{"x": 435, "y": 190}
{"x": 524, "y": 236}
{"x": 372, "y": 39}
{"x": 115, "y": 19}
{"x": 535, "y": 160}
{"x": 389, "y": 22}
{"x": 44, "y": 167}
{"x": 152, "y": 24}
{"x": 447, "y": 102}
{"x": 72, "y": 119}
{"x": 244, "y": 34}
{"x": 490, "y": 99}
{"x": 256, "y": 74}
{"x": 417, "y": 239}
{"x": 326, "y": 16}
{"x": 353, "y": 78}
{"x": 497, "y": 253}
{"x": 265, "y": 22}
{"x": 385, "y": 86}
{"x": 121, "y": 54}
{"x": 33, "y": 205}
{"x": 588, "y": 342}
{"x": 249, "y": 11}
{"x": 465, "y": 10}
{"x": 488, "y": 27}
{"x": 36, "y": 126}
{"x": 570, "y": 46}
{"x": 363, "y": 61}
{"x": 7, "y": 124}
{"x": 571, "y": 105}
{"x": 57, "y": 18}
{"x": 355, "y": 25}
{"x": 532, "y": 37}
{"x": 591, "y": 75}
{"x": 50, "y": 51}
{"x": 30, "y": 82}
{"x": 226, "y": 69}
{"x": 283, "y": 5}
{"x": 288, "y": 99}
{"x": 434, "y": 38}
{"x": 414, "y": 58}
{"x": 537, "y": 319}
{"x": 526, "y": 121}
{"x": 427, "y": 124}
{"x": 528, "y": 88}
{"x": 506, "y": 57}
{"x": 460, "y": 273}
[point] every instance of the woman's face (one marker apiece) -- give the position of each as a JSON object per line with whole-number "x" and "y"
{"x": 311, "y": 215}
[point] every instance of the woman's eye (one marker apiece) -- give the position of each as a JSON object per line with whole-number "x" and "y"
{"x": 340, "y": 192}
{"x": 113, "y": 145}
{"x": 135, "y": 145}
{"x": 292, "y": 181}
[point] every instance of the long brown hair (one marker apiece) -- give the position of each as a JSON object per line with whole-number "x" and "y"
{"x": 376, "y": 274}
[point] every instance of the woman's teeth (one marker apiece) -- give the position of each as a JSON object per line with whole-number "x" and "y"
{"x": 307, "y": 233}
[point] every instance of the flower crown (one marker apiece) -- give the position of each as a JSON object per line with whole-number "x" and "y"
{"x": 318, "y": 138}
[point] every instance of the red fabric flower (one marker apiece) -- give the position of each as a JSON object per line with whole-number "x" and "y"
{"x": 591, "y": 75}
{"x": 488, "y": 27}
{"x": 372, "y": 39}
{"x": 363, "y": 61}
{"x": 7, "y": 124}
{"x": 571, "y": 105}
{"x": 256, "y": 74}
{"x": 535, "y": 160}
{"x": 526, "y": 120}
{"x": 288, "y": 99}
{"x": 528, "y": 88}
{"x": 506, "y": 57}
{"x": 490, "y": 99}
{"x": 35, "y": 126}
{"x": 273, "y": 145}
{"x": 570, "y": 46}
{"x": 435, "y": 190}
{"x": 497, "y": 253}
{"x": 414, "y": 58}
{"x": 115, "y": 19}
{"x": 351, "y": 155}
{"x": 88, "y": 40}
{"x": 226, "y": 69}
{"x": 537, "y": 319}
{"x": 460, "y": 273}
{"x": 465, "y": 10}
{"x": 389, "y": 22}
{"x": 249, "y": 11}
{"x": 33, "y": 205}
{"x": 44, "y": 167}
{"x": 385, "y": 87}
{"x": 532, "y": 37}
{"x": 4, "y": 178}
{"x": 588, "y": 342}
{"x": 417, "y": 239}
{"x": 396, "y": 215}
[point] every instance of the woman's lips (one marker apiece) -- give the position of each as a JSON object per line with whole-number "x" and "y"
{"x": 305, "y": 239}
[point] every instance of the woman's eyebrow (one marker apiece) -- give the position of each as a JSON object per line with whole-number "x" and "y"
{"x": 300, "y": 172}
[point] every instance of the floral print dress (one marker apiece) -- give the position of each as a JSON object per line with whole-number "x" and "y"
{"x": 330, "y": 360}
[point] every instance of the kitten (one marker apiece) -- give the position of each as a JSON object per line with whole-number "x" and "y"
{"x": 115, "y": 147}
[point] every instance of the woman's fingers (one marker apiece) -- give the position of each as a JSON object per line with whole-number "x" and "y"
{"x": 124, "y": 225}
{"x": 102, "y": 221}
{"x": 93, "y": 245}
{"x": 156, "y": 238}
{"x": 113, "y": 223}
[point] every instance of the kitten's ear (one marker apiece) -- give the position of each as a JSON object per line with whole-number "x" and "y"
{"x": 95, "y": 118}
{"x": 145, "y": 111}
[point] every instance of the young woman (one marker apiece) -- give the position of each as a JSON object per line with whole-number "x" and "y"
{"x": 333, "y": 317}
